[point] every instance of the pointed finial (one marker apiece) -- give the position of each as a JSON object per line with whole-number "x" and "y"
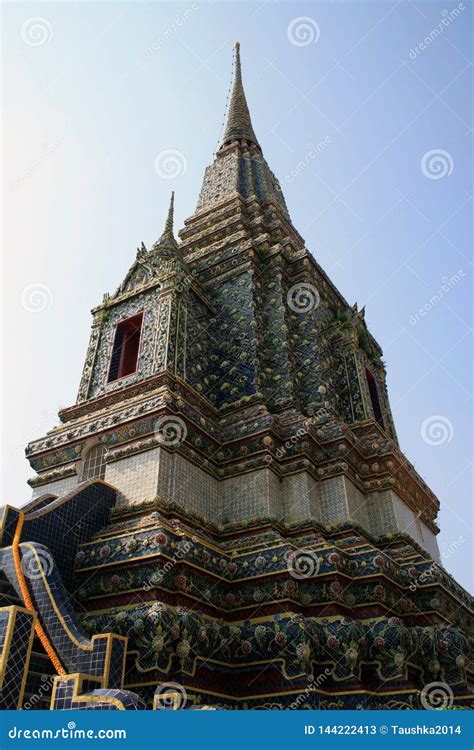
{"x": 167, "y": 244}
{"x": 170, "y": 217}
{"x": 239, "y": 124}
{"x": 238, "y": 66}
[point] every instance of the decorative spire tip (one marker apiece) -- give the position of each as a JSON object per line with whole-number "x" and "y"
{"x": 170, "y": 217}
{"x": 238, "y": 124}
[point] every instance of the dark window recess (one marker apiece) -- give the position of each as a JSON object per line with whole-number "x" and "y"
{"x": 125, "y": 350}
{"x": 374, "y": 397}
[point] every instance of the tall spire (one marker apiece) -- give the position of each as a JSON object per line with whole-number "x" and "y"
{"x": 169, "y": 219}
{"x": 241, "y": 169}
{"x": 167, "y": 244}
{"x": 239, "y": 124}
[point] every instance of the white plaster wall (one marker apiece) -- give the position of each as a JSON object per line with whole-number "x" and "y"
{"x": 357, "y": 504}
{"x": 380, "y": 512}
{"x": 406, "y": 521}
{"x": 251, "y": 495}
{"x": 300, "y": 497}
{"x": 59, "y": 487}
{"x": 275, "y": 496}
{"x": 135, "y": 477}
{"x": 260, "y": 493}
{"x": 405, "y": 517}
{"x": 430, "y": 542}
{"x": 334, "y": 507}
{"x": 187, "y": 485}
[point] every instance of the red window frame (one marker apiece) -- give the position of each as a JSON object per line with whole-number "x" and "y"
{"x": 125, "y": 348}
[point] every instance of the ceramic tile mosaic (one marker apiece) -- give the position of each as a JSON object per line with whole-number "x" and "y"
{"x": 16, "y": 637}
{"x": 190, "y": 487}
{"x": 249, "y": 496}
{"x": 381, "y": 512}
{"x": 59, "y": 487}
{"x": 267, "y": 540}
{"x": 135, "y": 477}
{"x": 357, "y": 505}
{"x": 334, "y": 500}
{"x": 301, "y": 499}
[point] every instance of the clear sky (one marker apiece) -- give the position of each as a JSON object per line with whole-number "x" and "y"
{"x": 363, "y": 111}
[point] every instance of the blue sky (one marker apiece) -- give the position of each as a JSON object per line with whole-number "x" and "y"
{"x": 94, "y": 92}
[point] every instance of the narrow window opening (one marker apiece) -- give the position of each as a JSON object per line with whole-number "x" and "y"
{"x": 94, "y": 463}
{"x": 124, "y": 359}
{"x": 374, "y": 397}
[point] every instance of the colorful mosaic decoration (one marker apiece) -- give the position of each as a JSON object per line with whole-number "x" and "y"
{"x": 248, "y": 534}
